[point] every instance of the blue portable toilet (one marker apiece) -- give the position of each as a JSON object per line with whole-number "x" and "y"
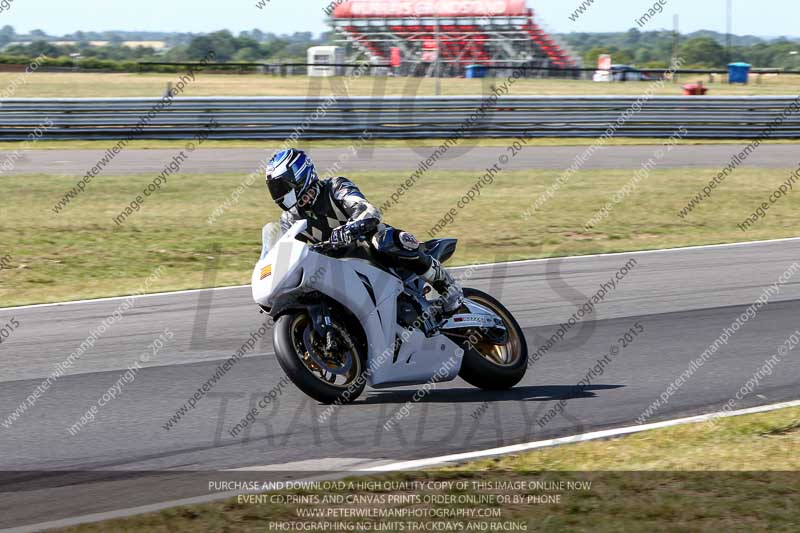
{"x": 738, "y": 72}
{"x": 475, "y": 71}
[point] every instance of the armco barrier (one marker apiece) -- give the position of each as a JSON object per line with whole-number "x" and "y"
{"x": 398, "y": 117}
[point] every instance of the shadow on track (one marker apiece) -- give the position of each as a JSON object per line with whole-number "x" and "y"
{"x": 543, "y": 393}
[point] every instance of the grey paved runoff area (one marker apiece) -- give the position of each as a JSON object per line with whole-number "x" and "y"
{"x": 683, "y": 299}
{"x": 245, "y": 160}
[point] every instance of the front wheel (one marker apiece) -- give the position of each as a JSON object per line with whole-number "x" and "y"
{"x": 490, "y": 366}
{"x": 326, "y": 377}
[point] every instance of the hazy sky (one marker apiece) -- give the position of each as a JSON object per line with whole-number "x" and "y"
{"x": 764, "y": 18}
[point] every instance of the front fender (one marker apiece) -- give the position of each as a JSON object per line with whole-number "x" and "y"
{"x": 284, "y": 305}
{"x": 365, "y": 291}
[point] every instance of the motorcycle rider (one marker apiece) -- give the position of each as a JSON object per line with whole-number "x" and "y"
{"x": 337, "y": 211}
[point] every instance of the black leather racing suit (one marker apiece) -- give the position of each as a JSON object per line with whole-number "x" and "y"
{"x": 338, "y": 201}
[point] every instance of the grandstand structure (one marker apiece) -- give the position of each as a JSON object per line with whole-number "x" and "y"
{"x": 415, "y": 35}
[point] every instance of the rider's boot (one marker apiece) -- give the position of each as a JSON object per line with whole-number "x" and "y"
{"x": 451, "y": 296}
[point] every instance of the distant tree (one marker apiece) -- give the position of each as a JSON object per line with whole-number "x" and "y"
{"x": 6, "y": 36}
{"x": 273, "y": 48}
{"x": 703, "y": 51}
{"x": 199, "y": 48}
{"x": 222, "y": 43}
{"x": 36, "y": 48}
{"x": 248, "y": 54}
{"x": 38, "y": 34}
{"x": 176, "y": 53}
{"x": 301, "y": 37}
{"x": 294, "y": 51}
{"x": 246, "y": 42}
{"x": 7, "y": 33}
{"x": 644, "y": 55}
{"x": 633, "y": 37}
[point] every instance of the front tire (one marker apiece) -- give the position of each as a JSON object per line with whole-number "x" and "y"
{"x": 325, "y": 380}
{"x": 492, "y": 367}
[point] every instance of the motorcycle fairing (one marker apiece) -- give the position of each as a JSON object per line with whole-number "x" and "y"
{"x": 371, "y": 295}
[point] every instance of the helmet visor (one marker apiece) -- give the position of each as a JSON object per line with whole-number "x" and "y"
{"x": 288, "y": 201}
{"x": 280, "y": 187}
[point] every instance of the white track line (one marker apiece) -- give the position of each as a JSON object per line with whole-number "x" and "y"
{"x": 113, "y": 298}
{"x": 403, "y": 465}
{"x": 479, "y": 265}
{"x": 594, "y": 435}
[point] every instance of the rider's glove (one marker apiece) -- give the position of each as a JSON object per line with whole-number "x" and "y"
{"x": 352, "y": 231}
{"x": 343, "y": 235}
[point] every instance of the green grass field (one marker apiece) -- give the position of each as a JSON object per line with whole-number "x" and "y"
{"x": 269, "y": 146}
{"x": 737, "y": 474}
{"x": 82, "y": 253}
{"x": 69, "y": 84}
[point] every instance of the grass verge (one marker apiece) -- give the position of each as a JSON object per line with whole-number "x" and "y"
{"x": 82, "y": 253}
{"x": 268, "y": 146}
{"x": 89, "y": 84}
{"x": 735, "y": 474}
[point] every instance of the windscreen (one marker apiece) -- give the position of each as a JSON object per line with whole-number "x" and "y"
{"x": 270, "y": 235}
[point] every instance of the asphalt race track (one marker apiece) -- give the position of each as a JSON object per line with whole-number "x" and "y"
{"x": 683, "y": 299}
{"x": 246, "y": 160}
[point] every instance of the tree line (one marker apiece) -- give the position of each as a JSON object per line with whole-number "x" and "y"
{"x": 703, "y": 49}
{"x": 247, "y": 46}
{"x": 651, "y": 49}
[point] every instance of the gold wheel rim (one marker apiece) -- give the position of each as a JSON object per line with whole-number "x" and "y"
{"x": 299, "y": 324}
{"x": 509, "y": 353}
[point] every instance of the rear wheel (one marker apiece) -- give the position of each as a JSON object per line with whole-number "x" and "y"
{"x": 490, "y": 366}
{"x": 326, "y": 377}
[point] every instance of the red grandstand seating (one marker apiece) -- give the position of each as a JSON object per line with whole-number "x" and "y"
{"x": 473, "y": 33}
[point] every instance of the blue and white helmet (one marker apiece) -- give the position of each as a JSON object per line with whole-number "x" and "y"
{"x": 290, "y": 175}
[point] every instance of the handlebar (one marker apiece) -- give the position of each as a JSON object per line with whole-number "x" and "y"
{"x": 323, "y": 246}
{"x": 364, "y": 227}
{"x": 328, "y": 246}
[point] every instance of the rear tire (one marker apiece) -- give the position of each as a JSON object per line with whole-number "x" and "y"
{"x": 482, "y": 366}
{"x": 292, "y": 362}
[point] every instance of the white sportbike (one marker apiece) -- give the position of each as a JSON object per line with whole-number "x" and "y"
{"x": 344, "y": 321}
